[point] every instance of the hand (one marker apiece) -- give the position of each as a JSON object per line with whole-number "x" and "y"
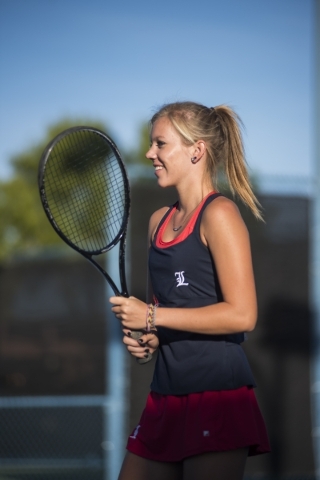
{"x": 148, "y": 343}
{"x": 130, "y": 311}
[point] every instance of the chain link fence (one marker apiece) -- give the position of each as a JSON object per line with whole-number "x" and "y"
{"x": 60, "y": 394}
{"x": 52, "y": 438}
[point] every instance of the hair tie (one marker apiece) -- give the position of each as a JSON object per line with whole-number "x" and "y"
{"x": 215, "y": 113}
{"x": 212, "y": 110}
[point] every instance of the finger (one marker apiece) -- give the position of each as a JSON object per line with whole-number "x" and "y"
{"x": 129, "y": 341}
{"x": 153, "y": 343}
{"x": 144, "y": 354}
{"x": 127, "y": 332}
{"x": 117, "y": 309}
{"x": 134, "y": 349}
{"x": 146, "y": 337}
{"x": 131, "y": 334}
{"x": 117, "y": 300}
{"x": 149, "y": 336}
{"x": 149, "y": 340}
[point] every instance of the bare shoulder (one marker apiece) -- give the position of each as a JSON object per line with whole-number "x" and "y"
{"x": 221, "y": 216}
{"x": 221, "y": 208}
{"x": 155, "y": 220}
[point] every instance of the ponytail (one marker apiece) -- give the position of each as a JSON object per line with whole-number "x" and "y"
{"x": 231, "y": 157}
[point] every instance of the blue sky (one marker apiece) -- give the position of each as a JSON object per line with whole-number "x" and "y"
{"x": 118, "y": 61}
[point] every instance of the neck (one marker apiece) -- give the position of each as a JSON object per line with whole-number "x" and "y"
{"x": 190, "y": 199}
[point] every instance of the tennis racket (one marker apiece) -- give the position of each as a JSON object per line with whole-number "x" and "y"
{"x": 85, "y": 193}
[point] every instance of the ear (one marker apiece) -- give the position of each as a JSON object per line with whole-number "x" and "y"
{"x": 199, "y": 149}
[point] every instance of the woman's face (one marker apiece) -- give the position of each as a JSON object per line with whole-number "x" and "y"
{"x": 170, "y": 157}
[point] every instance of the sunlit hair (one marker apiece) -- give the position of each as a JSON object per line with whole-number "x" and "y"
{"x": 220, "y": 128}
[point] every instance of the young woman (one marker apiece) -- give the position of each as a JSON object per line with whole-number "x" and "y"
{"x": 201, "y": 419}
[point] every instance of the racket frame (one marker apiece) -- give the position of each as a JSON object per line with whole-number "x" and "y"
{"x": 121, "y": 236}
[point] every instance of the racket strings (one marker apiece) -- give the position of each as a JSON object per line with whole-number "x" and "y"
{"x": 86, "y": 190}
{"x": 107, "y": 228}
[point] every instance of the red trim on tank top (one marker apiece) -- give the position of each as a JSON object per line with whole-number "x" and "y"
{"x": 186, "y": 231}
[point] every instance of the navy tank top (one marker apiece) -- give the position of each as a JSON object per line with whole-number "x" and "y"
{"x": 183, "y": 274}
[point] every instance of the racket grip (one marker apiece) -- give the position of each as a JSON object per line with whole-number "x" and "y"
{"x": 142, "y": 361}
{"x": 136, "y": 334}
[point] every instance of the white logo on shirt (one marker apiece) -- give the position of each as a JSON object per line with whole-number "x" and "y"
{"x": 180, "y": 279}
{"x": 135, "y": 433}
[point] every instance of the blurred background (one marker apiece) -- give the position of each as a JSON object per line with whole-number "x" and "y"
{"x": 69, "y": 393}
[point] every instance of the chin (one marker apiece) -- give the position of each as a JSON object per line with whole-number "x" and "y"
{"x": 163, "y": 184}
{"x": 164, "y": 181}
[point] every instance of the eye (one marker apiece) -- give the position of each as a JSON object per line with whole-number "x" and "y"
{"x": 160, "y": 144}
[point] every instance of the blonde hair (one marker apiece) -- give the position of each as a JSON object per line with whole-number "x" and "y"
{"x": 220, "y": 128}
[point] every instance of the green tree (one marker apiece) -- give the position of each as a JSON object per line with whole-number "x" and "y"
{"x": 24, "y": 226}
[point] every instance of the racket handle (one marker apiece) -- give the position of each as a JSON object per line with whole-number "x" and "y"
{"x": 142, "y": 361}
{"x": 136, "y": 334}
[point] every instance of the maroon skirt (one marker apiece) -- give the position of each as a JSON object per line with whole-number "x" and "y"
{"x": 176, "y": 427}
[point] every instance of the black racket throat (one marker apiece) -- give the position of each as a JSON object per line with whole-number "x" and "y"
{"x": 116, "y": 291}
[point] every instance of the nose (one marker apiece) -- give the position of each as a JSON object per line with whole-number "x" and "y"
{"x": 151, "y": 155}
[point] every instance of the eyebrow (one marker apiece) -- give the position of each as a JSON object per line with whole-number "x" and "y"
{"x": 158, "y": 137}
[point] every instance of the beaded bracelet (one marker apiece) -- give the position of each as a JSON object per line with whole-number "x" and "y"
{"x": 153, "y": 320}
{"x": 151, "y": 316}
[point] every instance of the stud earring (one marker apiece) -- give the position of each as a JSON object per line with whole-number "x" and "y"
{"x": 194, "y": 160}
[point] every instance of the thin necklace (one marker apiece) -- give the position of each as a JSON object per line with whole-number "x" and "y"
{"x": 176, "y": 229}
